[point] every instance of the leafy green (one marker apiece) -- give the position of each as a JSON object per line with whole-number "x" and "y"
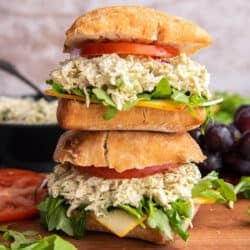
{"x": 57, "y": 88}
{"x": 20, "y": 241}
{"x": 131, "y": 210}
{"x": 110, "y": 113}
{"x": 180, "y": 97}
{"x": 177, "y": 223}
{"x": 162, "y": 90}
{"x": 103, "y": 97}
{"x": 78, "y": 91}
{"x": 54, "y": 217}
{"x": 212, "y": 187}
{"x": 243, "y": 187}
{"x": 229, "y": 105}
{"x": 158, "y": 219}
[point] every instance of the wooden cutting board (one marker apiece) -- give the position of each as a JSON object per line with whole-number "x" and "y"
{"x": 214, "y": 227}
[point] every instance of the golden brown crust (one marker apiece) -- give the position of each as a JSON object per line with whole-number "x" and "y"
{"x": 126, "y": 150}
{"x": 147, "y": 234}
{"x": 136, "y": 24}
{"x": 75, "y": 115}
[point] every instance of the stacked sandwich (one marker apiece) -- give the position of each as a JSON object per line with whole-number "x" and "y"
{"x": 128, "y": 95}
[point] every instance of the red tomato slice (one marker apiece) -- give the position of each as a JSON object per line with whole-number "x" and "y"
{"x": 109, "y": 173}
{"x": 93, "y": 49}
{"x": 17, "y": 194}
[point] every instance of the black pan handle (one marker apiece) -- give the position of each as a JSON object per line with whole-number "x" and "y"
{"x": 11, "y": 69}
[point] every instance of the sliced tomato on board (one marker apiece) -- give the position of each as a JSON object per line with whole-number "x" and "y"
{"x": 18, "y": 196}
{"x": 123, "y": 48}
{"x": 108, "y": 173}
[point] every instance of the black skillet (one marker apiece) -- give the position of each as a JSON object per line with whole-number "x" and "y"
{"x": 28, "y": 146}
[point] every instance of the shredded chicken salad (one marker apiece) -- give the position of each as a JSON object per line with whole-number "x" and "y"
{"x": 27, "y": 111}
{"x": 123, "y": 78}
{"x": 98, "y": 193}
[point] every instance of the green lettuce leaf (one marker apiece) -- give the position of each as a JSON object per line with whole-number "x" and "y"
{"x": 54, "y": 217}
{"x": 162, "y": 90}
{"x": 228, "y": 107}
{"x": 20, "y": 241}
{"x": 110, "y": 113}
{"x": 212, "y": 187}
{"x": 243, "y": 187}
{"x": 103, "y": 97}
{"x": 158, "y": 219}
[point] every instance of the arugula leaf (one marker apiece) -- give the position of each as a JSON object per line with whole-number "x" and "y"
{"x": 103, "y": 96}
{"x": 131, "y": 210}
{"x": 184, "y": 208}
{"x": 79, "y": 223}
{"x": 19, "y": 241}
{"x": 53, "y": 217}
{"x": 144, "y": 97}
{"x": 58, "y": 88}
{"x": 158, "y": 219}
{"x": 78, "y": 91}
{"x": 110, "y": 113}
{"x": 213, "y": 187}
{"x": 177, "y": 223}
{"x": 162, "y": 90}
{"x": 229, "y": 105}
{"x": 179, "y": 96}
{"x": 243, "y": 187}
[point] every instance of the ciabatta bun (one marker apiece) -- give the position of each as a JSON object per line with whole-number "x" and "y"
{"x": 136, "y": 24}
{"x": 75, "y": 115}
{"x": 126, "y": 150}
{"x": 147, "y": 233}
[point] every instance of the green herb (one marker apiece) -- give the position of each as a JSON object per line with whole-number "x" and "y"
{"x": 54, "y": 217}
{"x": 177, "y": 223}
{"x": 179, "y": 97}
{"x": 162, "y": 90}
{"x": 212, "y": 187}
{"x": 103, "y": 97}
{"x": 57, "y": 88}
{"x": 131, "y": 210}
{"x": 229, "y": 105}
{"x": 158, "y": 219}
{"x": 78, "y": 91}
{"x": 110, "y": 113}
{"x": 243, "y": 187}
{"x": 20, "y": 241}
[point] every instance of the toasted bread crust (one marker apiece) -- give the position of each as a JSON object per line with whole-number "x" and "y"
{"x": 136, "y": 24}
{"x": 76, "y": 115}
{"x": 126, "y": 150}
{"x": 147, "y": 234}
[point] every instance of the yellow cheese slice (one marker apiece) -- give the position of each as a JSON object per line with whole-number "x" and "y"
{"x": 201, "y": 200}
{"x": 156, "y": 104}
{"x": 119, "y": 222}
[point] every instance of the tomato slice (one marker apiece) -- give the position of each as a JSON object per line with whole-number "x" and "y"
{"x": 122, "y": 48}
{"x": 108, "y": 173}
{"x": 17, "y": 194}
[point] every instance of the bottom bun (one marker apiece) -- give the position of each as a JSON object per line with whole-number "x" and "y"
{"x": 147, "y": 233}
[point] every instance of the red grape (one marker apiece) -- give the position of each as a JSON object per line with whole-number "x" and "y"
{"x": 213, "y": 162}
{"x": 218, "y": 138}
{"x": 236, "y": 164}
{"x": 242, "y": 118}
{"x": 244, "y": 146}
{"x": 197, "y": 135}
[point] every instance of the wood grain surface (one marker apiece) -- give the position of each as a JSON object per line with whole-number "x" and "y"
{"x": 214, "y": 227}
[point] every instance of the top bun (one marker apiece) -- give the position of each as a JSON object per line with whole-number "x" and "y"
{"x": 136, "y": 24}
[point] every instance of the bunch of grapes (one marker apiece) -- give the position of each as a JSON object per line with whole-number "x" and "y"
{"x": 227, "y": 147}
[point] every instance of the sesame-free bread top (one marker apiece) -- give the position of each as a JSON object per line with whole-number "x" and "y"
{"x": 136, "y": 24}
{"x": 124, "y": 150}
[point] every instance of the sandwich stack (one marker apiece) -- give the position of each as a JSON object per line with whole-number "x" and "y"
{"x": 127, "y": 96}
